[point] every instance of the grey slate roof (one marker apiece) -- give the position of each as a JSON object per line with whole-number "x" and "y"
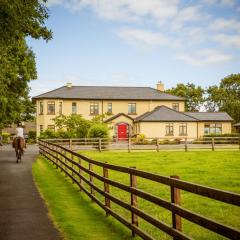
{"x": 165, "y": 114}
{"x": 210, "y": 116}
{"x": 107, "y": 93}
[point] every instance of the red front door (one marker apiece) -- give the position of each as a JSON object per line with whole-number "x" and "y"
{"x": 122, "y": 131}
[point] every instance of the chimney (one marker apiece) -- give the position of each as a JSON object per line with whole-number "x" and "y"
{"x": 69, "y": 85}
{"x": 160, "y": 86}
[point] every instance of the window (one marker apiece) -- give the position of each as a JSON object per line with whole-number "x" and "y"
{"x": 51, "y": 127}
{"x": 60, "y": 107}
{"x": 74, "y": 108}
{"x": 41, "y": 128}
{"x": 175, "y": 106}
{"x": 183, "y": 129}
{"x": 94, "y": 109}
{"x": 109, "y": 108}
{"x": 41, "y": 108}
{"x": 169, "y": 129}
{"x": 213, "y": 128}
{"x": 132, "y": 108}
{"x": 51, "y": 107}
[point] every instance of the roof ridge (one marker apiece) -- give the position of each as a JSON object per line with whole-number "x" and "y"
{"x": 167, "y": 93}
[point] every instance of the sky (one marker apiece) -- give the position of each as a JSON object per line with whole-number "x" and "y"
{"x": 138, "y": 43}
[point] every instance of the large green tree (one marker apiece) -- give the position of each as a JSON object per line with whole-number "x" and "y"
{"x": 225, "y": 97}
{"x": 19, "y": 19}
{"x": 194, "y": 95}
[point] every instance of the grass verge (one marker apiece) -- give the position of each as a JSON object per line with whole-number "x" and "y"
{"x": 72, "y": 212}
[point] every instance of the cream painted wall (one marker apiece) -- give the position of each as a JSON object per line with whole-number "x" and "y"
{"x": 83, "y": 108}
{"x": 226, "y": 127}
{"x": 158, "y": 129}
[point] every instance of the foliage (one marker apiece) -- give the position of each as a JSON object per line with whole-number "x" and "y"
{"x": 225, "y": 97}
{"x": 18, "y": 20}
{"x": 98, "y": 131}
{"x": 74, "y": 125}
{"x": 193, "y": 95}
{"x": 32, "y": 135}
{"x": 48, "y": 133}
{"x": 5, "y": 137}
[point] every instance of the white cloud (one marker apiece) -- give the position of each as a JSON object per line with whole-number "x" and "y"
{"x": 204, "y": 57}
{"x": 228, "y": 40}
{"x": 144, "y": 37}
{"x": 222, "y": 24}
{"x": 221, "y": 3}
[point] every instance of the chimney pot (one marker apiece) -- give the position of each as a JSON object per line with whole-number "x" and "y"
{"x": 160, "y": 86}
{"x": 69, "y": 85}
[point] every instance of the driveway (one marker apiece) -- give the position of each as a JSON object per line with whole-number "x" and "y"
{"x": 23, "y": 215}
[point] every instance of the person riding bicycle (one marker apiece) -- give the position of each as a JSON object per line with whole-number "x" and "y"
{"x": 20, "y": 136}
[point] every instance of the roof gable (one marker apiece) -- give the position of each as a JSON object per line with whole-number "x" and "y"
{"x": 118, "y": 115}
{"x": 108, "y": 93}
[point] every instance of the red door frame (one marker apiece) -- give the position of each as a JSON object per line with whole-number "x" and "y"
{"x": 122, "y": 131}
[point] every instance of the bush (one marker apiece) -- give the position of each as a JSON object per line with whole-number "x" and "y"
{"x": 31, "y": 137}
{"x": 6, "y": 137}
{"x": 98, "y": 131}
{"x": 48, "y": 133}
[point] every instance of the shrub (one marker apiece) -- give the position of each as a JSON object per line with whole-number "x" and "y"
{"x": 6, "y": 137}
{"x": 48, "y": 133}
{"x": 98, "y": 131}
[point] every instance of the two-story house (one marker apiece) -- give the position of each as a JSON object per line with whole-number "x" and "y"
{"x": 133, "y": 110}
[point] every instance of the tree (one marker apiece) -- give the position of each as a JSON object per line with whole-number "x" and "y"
{"x": 18, "y": 20}
{"x": 225, "y": 97}
{"x": 75, "y": 125}
{"x": 193, "y": 95}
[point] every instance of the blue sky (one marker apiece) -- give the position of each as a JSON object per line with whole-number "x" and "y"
{"x": 138, "y": 42}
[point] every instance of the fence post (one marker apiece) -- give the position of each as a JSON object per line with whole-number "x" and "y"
{"x": 91, "y": 178}
{"x": 239, "y": 143}
{"x": 100, "y": 144}
{"x": 106, "y": 189}
{"x": 186, "y": 145}
{"x": 133, "y": 184}
{"x": 176, "y": 199}
{"x": 129, "y": 144}
{"x": 212, "y": 143}
{"x": 70, "y": 144}
{"x": 157, "y": 144}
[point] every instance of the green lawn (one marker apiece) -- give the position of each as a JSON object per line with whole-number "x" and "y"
{"x": 214, "y": 169}
{"x": 71, "y": 211}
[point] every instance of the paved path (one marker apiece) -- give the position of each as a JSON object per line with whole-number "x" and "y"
{"x": 23, "y": 215}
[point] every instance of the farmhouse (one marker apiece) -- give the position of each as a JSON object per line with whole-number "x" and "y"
{"x": 132, "y": 111}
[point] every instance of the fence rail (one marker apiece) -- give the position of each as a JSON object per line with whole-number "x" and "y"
{"x": 157, "y": 144}
{"x": 71, "y": 163}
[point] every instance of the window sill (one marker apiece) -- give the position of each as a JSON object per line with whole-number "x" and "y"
{"x": 40, "y": 114}
{"x": 169, "y": 134}
{"x": 132, "y": 113}
{"x": 183, "y": 135}
{"x": 51, "y": 114}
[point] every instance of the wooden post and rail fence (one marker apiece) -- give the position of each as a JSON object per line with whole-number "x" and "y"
{"x": 71, "y": 163}
{"x": 157, "y": 144}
